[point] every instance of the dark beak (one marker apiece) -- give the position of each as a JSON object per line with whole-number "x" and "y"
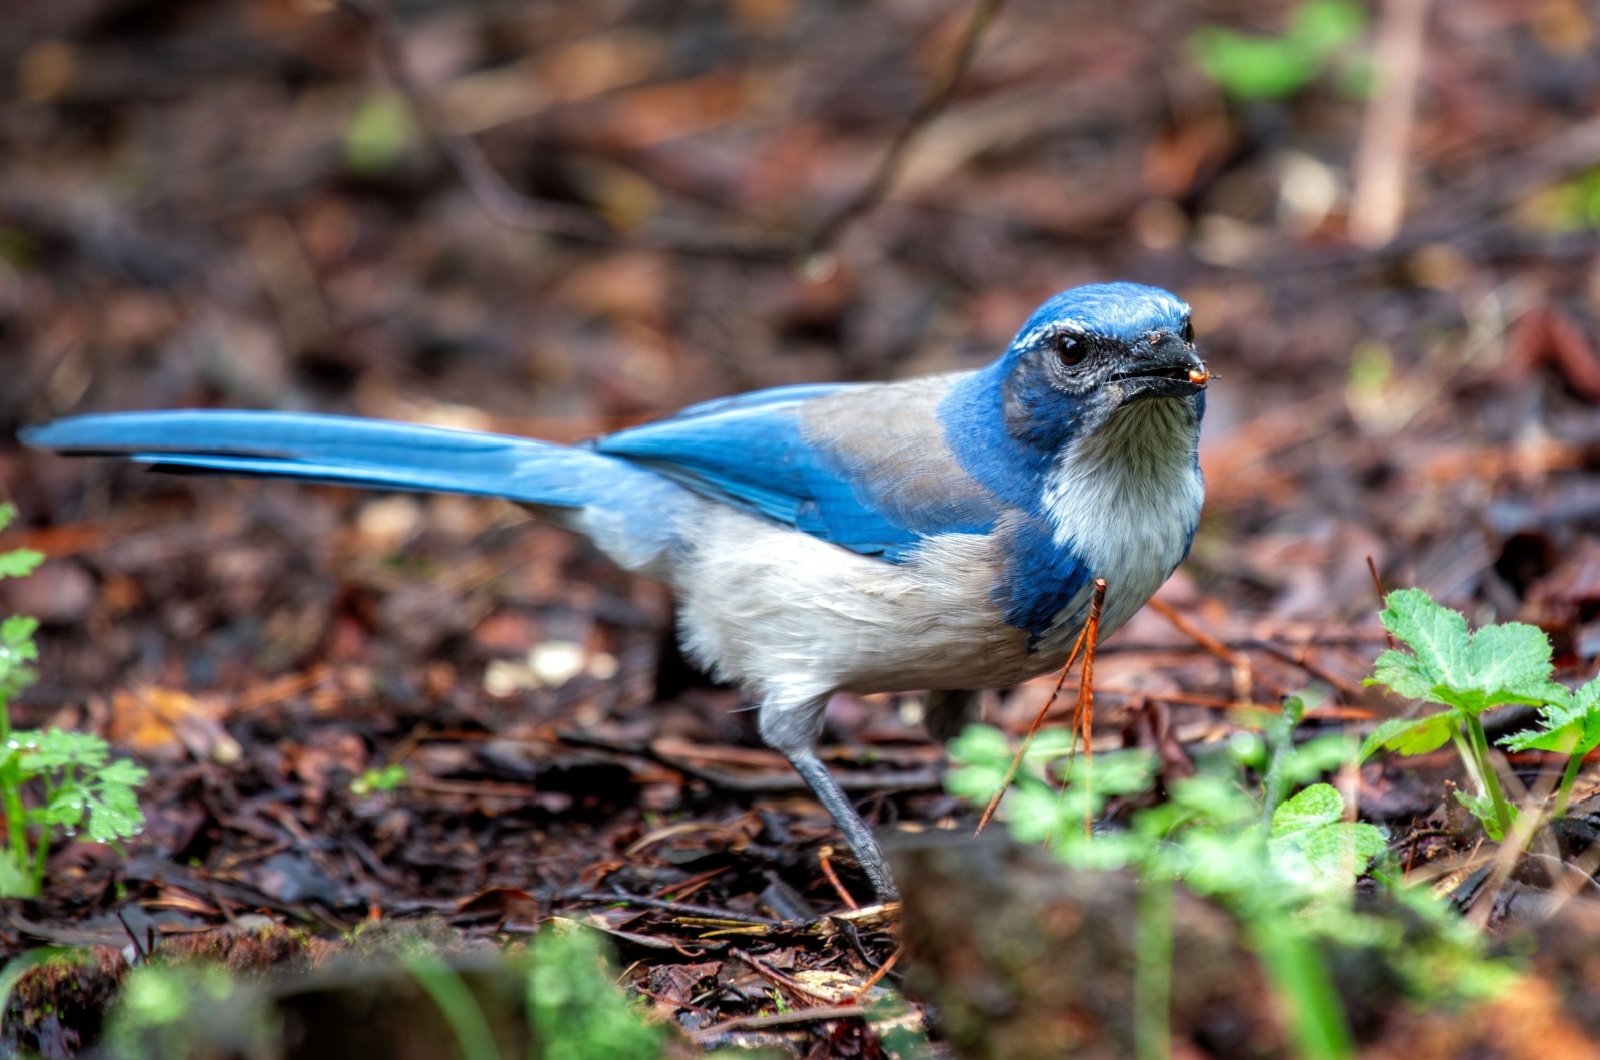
{"x": 1164, "y": 366}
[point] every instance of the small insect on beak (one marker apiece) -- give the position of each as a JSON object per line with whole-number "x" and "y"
{"x": 1199, "y": 376}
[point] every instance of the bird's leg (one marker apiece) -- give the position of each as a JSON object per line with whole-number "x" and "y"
{"x": 790, "y": 721}
{"x": 843, "y": 812}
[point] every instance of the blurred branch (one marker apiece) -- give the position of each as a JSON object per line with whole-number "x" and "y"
{"x": 1378, "y": 203}
{"x": 500, "y": 200}
{"x": 511, "y": 208}
{"x": 937, "y": 98}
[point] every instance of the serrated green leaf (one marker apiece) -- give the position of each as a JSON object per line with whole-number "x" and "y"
{"x": 1313, "y": 807}
{"x": 1330, "y": 853}
{"x": 114, "y": 814}
{"x": 122, "y": 771}
{"x": 1562, "y": 739}
{"x": 19, "y": 562}
{"x": 1569, "y": 727}
{"x": 1403, "y": 675}
{"x": 1410, "y": 736}
{"x": 1513, "y": 656}
{"x": 8, "y": 512}
{"x": 17, "y": 630}
{"x": 59, "y": 748}
{"x": 1437, "y": 636}
{"x": 65, "y": 808}
{"x": 1506, "y": 663}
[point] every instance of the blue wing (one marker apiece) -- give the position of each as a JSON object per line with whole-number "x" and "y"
{"x": 863, "y": 466}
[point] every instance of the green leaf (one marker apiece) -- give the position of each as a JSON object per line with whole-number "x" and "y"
{"x": 1032, "y": 813}
{"x": 1322, "y": 27}
{"x": 377, "y": 135}
{"x": 56, "y": 749}
{"x": 122, "y": 771}
{"x": 1314, "y": 807}
{"x": 17, "y": 630}
{"x": 982, "y": 756}
{"x": 65, "y": 808}
{"x": 1251, "y": 67}
{"x": 15, "y": 880}
{"x": 1212, "y": 800}
{"x": 1329, "y": 853}
{"x": 1403, "y": 675}
{"x": 1513, "y": 657}
{"x": 1570, "y": 727}
{"x": 1482, "y": 807}
{"x": 8, "y": 512}
{"x": 1116, "y": 772}
{"x": 1318, "y": 756}
{"x": 19, "y": 562}
{"x": 1437, "y": 637}
{"x": 1507, "y": 663}
{"x": 1411, "y": 736}
{"x": 114, "y": 813}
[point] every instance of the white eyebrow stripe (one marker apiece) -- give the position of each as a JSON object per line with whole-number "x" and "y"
{"x": 1054, "y": 327}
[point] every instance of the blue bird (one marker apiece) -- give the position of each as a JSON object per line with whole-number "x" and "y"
{"x": 940, "y": 533}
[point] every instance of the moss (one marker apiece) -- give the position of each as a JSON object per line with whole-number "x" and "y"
{"x": 59, "y": 1005}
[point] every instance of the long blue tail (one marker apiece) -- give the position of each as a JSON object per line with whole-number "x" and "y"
{"x": 381, "y": 454}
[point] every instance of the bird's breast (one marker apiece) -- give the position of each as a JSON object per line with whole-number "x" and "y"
{"x": 1126, "y": 503}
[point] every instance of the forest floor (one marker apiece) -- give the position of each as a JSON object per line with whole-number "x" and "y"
{"x": 361, "y": 709}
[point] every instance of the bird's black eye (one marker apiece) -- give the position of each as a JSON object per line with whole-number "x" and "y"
{"x": 1188, "y": 331}
{"x": 1070, "y": 350}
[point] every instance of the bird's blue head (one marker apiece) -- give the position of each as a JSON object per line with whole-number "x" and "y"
{"x": 1092, "y": 351}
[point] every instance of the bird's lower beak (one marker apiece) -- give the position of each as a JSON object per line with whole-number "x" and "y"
{"x": 1173, "y": 372}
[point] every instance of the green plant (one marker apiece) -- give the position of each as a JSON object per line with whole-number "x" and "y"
{"x": 378, "y": 133}
{"x": 388, "y": 778}
{"x": 575, "y": 1009}
{"x": 1257, "y": 67}
{"x": 71, "y": 773}
{"x": 1569, "y": 726}
{"x": 1467, "y": 674}
{"x": 1279, "y": 864}
{"x": 1571, "y": 206}
{"x": 1281, "y": 856}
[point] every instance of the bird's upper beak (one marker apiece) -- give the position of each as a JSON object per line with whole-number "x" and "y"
{"x": 1163, "y": 366}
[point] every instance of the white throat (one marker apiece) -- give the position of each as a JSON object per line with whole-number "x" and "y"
{"x": 1126, "y": 499}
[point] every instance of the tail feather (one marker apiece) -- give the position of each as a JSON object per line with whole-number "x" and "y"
{"x": 348, "y": 451}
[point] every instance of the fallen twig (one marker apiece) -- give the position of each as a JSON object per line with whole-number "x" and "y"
{"x": 702, "y": 912}
{"x": 777, "y": 978}
{"x": 1016, "y": 761}
{"x": 1238, "y": 660}
{"x": 824, "y": 858}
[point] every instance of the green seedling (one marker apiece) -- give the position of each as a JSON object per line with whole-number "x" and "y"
{"x": 71, "y": 776}
{"x": 1266, "y": 67}
{"x": 1467, "y": 674}
{"x": 1272, "y": 861}
{"x": 1260, "y": 834}
{"x": 1570, "y": 727}
{"x": 388, "y": 778}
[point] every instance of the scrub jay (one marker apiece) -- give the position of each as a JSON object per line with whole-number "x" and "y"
{"x": 937, "y": 533}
